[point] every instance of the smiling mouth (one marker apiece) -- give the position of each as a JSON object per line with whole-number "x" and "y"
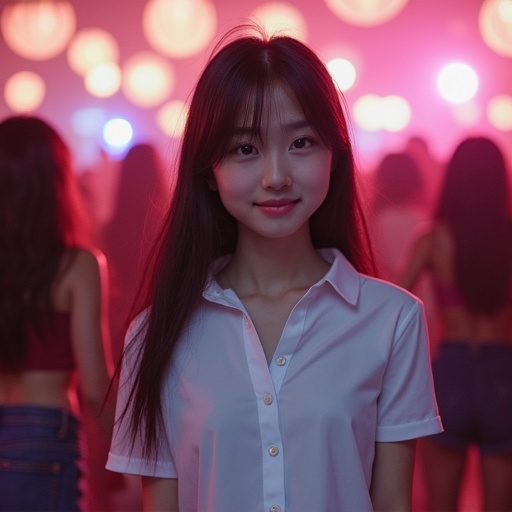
{"x": 277, "y": 207}
{"x": 277, "y": 203}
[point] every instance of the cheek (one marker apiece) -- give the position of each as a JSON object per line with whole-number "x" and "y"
{"x": 233, "y": 188}
{"x": 319, "y": 175}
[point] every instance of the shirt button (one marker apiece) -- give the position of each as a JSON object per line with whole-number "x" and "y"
{"x": 267, "y": 399}
{"x": 275, "y": 508}
{"x": 281, "y": 361}
{"x": 274, "y": 451}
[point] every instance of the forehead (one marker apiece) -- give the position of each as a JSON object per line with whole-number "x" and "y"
{"x": 276, "y": 105}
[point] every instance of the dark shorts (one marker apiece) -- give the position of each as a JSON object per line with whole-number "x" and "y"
{"x": 473, "y": 386}
{"x": 39, "y": 459}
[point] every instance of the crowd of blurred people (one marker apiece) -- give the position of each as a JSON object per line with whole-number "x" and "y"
{"x": 443, "y": 230}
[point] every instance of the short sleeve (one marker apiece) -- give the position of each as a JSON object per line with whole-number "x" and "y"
{"x": 126, "y": 453}
{"x": 407, "y": 407}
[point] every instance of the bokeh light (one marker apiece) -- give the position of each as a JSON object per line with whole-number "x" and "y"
{"x": 366, "y": 13}
{"x": 282, "y": 18}
{"x": 467, "y": 114}
{"x": 343, "y": 73}
{"x": 373, "y": 113}
{"x": 24, "y": 91}
{"x": 499, "y": 112}
{"x": 91, "y": 47}
{"x": 148, "y": 79}
{"x": 117, "y": 134}
{"x": 179, "y": 28}
{"x": 104, "y": 80}
{"x": 495, "y": 24}
{"x": 171, "y": 118}
{"x": 367, "y": 112}
{"x": 457, "y": 82}
{"x": 395, "y": 113}
{"x": 38, "y": 30}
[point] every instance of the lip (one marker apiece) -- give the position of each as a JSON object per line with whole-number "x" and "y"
{"x": 277, "y": 207}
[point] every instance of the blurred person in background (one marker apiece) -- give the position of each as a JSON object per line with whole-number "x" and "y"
{"x": 418, "y": 148}
{"x": 397, "y": 210}
{"x": 53, "y": 330}
{"x": 141, "y": 196}
{"x": 467, "y": 249}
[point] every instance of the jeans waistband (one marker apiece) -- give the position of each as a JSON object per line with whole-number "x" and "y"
{"x": 35, "y": 415}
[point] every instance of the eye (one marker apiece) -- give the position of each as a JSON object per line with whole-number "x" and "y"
{"x": 245, "y": 149}
{"x": 302, "y": 142}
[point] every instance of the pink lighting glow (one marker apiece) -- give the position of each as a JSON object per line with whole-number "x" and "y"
{"x": 103, "y": 80}
{"x": 499, "y": 112}
{"x": 147, "y": 79}
{"x": 171, "y": 118}
{"x": 366, "y": 13}
{"x": 495, "y": 22}
{"x": 343, "y": 73}
{"x": 374, "y": 48}
{"x": 24, "y": 91}
{"x": 91, "y": 47}
{"x": 457, "y": 82}
{"x": 281, "y": 17}
{"x": 38, "y": 30}
{"x": 179, "y": 28}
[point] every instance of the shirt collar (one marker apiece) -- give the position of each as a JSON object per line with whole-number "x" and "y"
{"x": 342, "y": 276}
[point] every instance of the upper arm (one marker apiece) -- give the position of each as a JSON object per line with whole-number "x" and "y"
{"x": 160, "y": 494}
{"x": 391, "y": 488}
{"x": 88, "y": 323}
{"x": 417, "y": 261}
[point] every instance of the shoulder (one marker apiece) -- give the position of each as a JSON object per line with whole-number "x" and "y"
{"x": 377, "y": 290}
{"x": 367, "y": 292}
{"x": 83, "y": 265}
{"x": 87, "y": 258}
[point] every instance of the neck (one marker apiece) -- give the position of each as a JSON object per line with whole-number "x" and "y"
{"x": 272, "y": 268}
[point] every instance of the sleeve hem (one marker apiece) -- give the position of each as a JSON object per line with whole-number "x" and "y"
{"x": 135, "y": 466}
{"x": 427, "y": 427}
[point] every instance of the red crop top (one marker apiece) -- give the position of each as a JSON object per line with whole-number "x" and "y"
{"x": 54, "y": 350}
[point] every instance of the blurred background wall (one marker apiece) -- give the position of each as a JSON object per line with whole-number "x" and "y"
{"x": 397, "y": 50}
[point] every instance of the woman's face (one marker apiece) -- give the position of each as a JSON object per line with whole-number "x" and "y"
{"x": 272, "y": 186}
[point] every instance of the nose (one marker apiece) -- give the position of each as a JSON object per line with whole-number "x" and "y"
{"x": 275, "y": 173}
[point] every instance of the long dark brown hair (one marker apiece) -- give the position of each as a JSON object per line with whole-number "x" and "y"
{"x": 198, "y": 229}
{"x": 475, "y": 205}
{"x": 39, "y": 223}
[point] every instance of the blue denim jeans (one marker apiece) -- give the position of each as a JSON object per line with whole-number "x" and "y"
{"x": 39, "y": 459}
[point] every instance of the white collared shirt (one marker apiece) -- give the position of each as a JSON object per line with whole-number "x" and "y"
{"x": 352, "y": 368}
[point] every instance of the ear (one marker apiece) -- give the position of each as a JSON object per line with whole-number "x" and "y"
{"x": 212, "y": 184}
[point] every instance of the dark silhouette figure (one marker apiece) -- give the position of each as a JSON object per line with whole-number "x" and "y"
{"x": 141, "y": 196}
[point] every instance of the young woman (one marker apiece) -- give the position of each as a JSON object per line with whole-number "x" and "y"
{"x": 468, "y": 251}
{"x": 267, "y": 372}
{"x": 51, "y": 322}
